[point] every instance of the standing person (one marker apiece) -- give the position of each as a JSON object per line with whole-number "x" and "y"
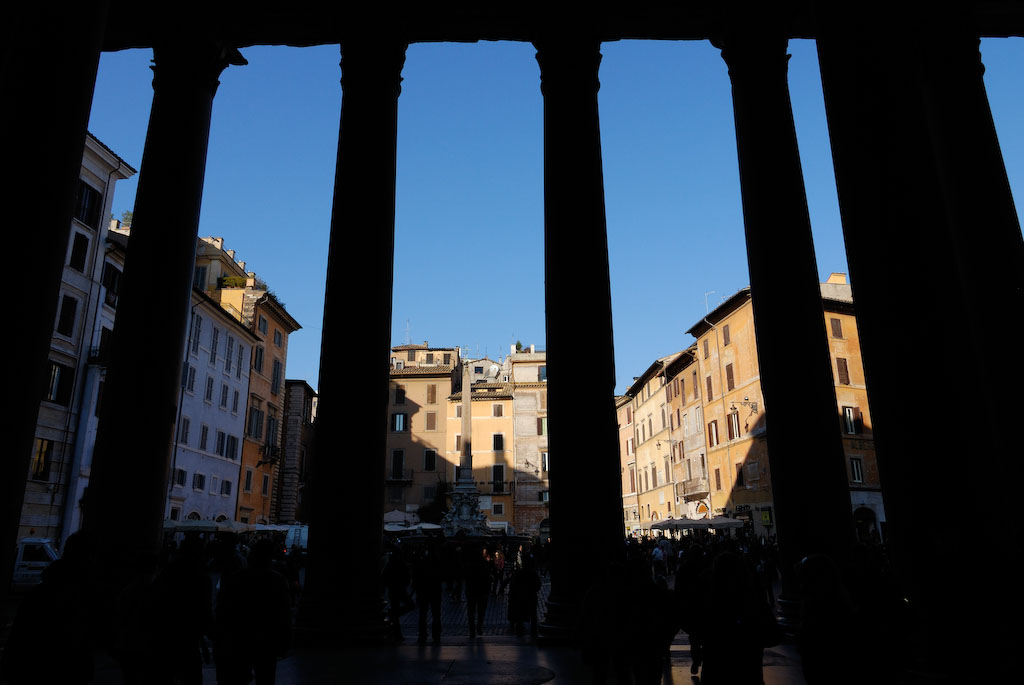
{"x": 522, "y": 597}
{"x": 426, "y": 581}
{"x": 478, "y": 585}
{"x": 57, "y": 612}
{"x": 184, "y": 594}
{"x": 499, "y": 571}
{"x": 254, "y": 601}
{"x": 396, "y": 580}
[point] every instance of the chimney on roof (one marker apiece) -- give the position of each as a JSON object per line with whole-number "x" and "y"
{"x": 241, "y": 265}
{"x": 837, "y": 278}
{"x": 231, "y": 253}
{"x": 218, "y": 243}
{"x": 532, "y": 350}
{"x": 426, "y": 344}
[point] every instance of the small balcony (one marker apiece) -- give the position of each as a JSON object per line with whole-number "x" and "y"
{"x": 695, "y": 487}
{"x": 398, "y": 477}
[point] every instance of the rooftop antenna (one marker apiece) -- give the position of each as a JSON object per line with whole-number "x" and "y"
{"x": 706, "y": 310}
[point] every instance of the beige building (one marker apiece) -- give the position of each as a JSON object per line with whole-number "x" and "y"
{"x": 491, "y": 445}
{"x": 417, "y": 467}
{"x": 652, "y": 444}
{"x": 526, "y": 369}
{"x": 627, "y": 464}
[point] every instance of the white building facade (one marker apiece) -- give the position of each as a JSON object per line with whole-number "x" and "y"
{"x": 205, "y": 469}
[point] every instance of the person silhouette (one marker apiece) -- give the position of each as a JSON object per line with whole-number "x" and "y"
{"x": 254, "y": 619}
{"x": 62, "y": 610}
{"x": 478, "y": 585}
{"x": 426, "y": 579}
{"x": 184, "y": 596}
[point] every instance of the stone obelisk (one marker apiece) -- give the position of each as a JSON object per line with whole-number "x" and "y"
{"x": 465, "y": 514}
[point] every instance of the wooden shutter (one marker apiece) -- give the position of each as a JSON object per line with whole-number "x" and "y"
{"x": 858, "y": 421}
{"x": 710, "y": 394}
{"x": 844, "y": 371}
{"x": 837, "y": 328}
{"x": 431, "y": 420}
{"x": 729, "y": 378}
{"x": 431, "y": 394}
{"x": 725, "y": 335}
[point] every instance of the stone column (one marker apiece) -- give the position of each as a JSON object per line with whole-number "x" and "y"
{"x": 585, "y": 488}
{"x": 808, "y": 470}
{"x": 934, "y": 249}
{"x": 347, "y": 494}
{"x": 127, "y": 493}
{"x": 47, "y": 95}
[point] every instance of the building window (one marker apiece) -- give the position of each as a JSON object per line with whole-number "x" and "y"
{"x": 204, "y": 436}
{"x": 61, "y": 383}
{"x": 190, "y": 379}
{"x": 629, "y": 416}
{"x": 248, "y": 480}
{"x": 198, "y": 481}
{"x": 255, "y": 423}
{"x": 852, "y": 422}
{"x": 88, "y": 204}
{"x": 696, "y": 388}
{"x": 180, "y": 477}
{"x": 399, "y": 423}
{"x": 542, "y": 374}
{"x": 739, "y": 476}
{"x": 213, "y": 345}
{"x": 225, "y": 487}
{"x": 79, "y": 252}
{"x": 199, "y": 277}
{"x": 41, "y": 459}
{"x": 410, "y": 355}
{"x": 231, "y": 447}
{"x": 272, "y": 427}
{"x": 458, "y": 443}
{"x": 429, "y": 460}
{"x": 278, "y": 338}
{"x": 710, "y": 393}
{"x": 430, "y": 357}
{"x": 498, "y": 478}
{"x": 497, "y": 410}
{"x": 712, "y": 433}
{"x": 197, "y": 330}
{"x": 734, "y": 425}
{"x": 399, "y": 395}
{"x": 542, "y": 425}
{"x": 718, "y": 479}
{"x": 458, "y": 411}
{"x": 431, "y": 420}
{"x": 229, "y": 354}
{"x": 111, "y": 283}
{"x": 498, "y": 509}
{"x": 238, "y": 364}
{"x": 234, "y": 403}
{"x": 257, "y": 359}
{"x": 221, "y": 443}
{"x": 432, "y": 394}
{"x": 265, "y": 489}
{"x": 632, "y": 479}
{"x": 544, "y": 462}
{"x": 706, "y": 349}
{"x": 544, "y": 496}
{"x": 214, "y": 485}
{"x": 837, "y": 328}
{"x": 478, "y": 369}
{"x": 275, "y": 378}
{"x": 262, "y": 324}
{"x": 857, "y": 469}
{"x": 844, "y": 371}
{"x": 497, "y": 442}
{"x": 209, "y": 390}
{"x": 447, "y": 358}
{"x": 224, "y": 392}
{"x": 730, "y": 379}
{"x": 185, "y": 425}
{"x": 66, "y": 318}
{"x": 725, "y": 335}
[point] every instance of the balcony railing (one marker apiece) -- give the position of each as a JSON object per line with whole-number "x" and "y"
{"x": 395, "y": 476}
{"x": 695, "y": 486}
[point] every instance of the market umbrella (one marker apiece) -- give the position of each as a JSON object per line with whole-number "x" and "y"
{"x": 720, "y": 522}
{"x": 397, "y": 516}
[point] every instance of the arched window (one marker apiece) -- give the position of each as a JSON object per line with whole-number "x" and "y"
{"x": 194, "y": 516}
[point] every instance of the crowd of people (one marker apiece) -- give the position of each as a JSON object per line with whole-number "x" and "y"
{"x": 474, "y": 571}
{"x": 196, "y": 603}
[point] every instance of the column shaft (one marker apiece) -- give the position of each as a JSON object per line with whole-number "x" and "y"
{"x": 126, "y": 498}
{"x": 927, "y": 214}
{"x": 48, "y": 95}
{"x": 345, "y": 532}
{"x": 585, "y": 509}
{"x": 808, "y": 472}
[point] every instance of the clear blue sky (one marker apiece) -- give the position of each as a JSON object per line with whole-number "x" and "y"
{"x": 469, "y": 215}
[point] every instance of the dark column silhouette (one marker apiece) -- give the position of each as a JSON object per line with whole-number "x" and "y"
{"x": 935, "y": 253}
{"x": 47, "y": 96}
{"x": 347, "y": 497}
{"x": 127, "y": 493}
{"x": 808, "y": 471}
{"x": 586, "y": 510}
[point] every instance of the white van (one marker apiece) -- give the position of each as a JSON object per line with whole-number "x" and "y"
{"x": 34, "y": 555}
